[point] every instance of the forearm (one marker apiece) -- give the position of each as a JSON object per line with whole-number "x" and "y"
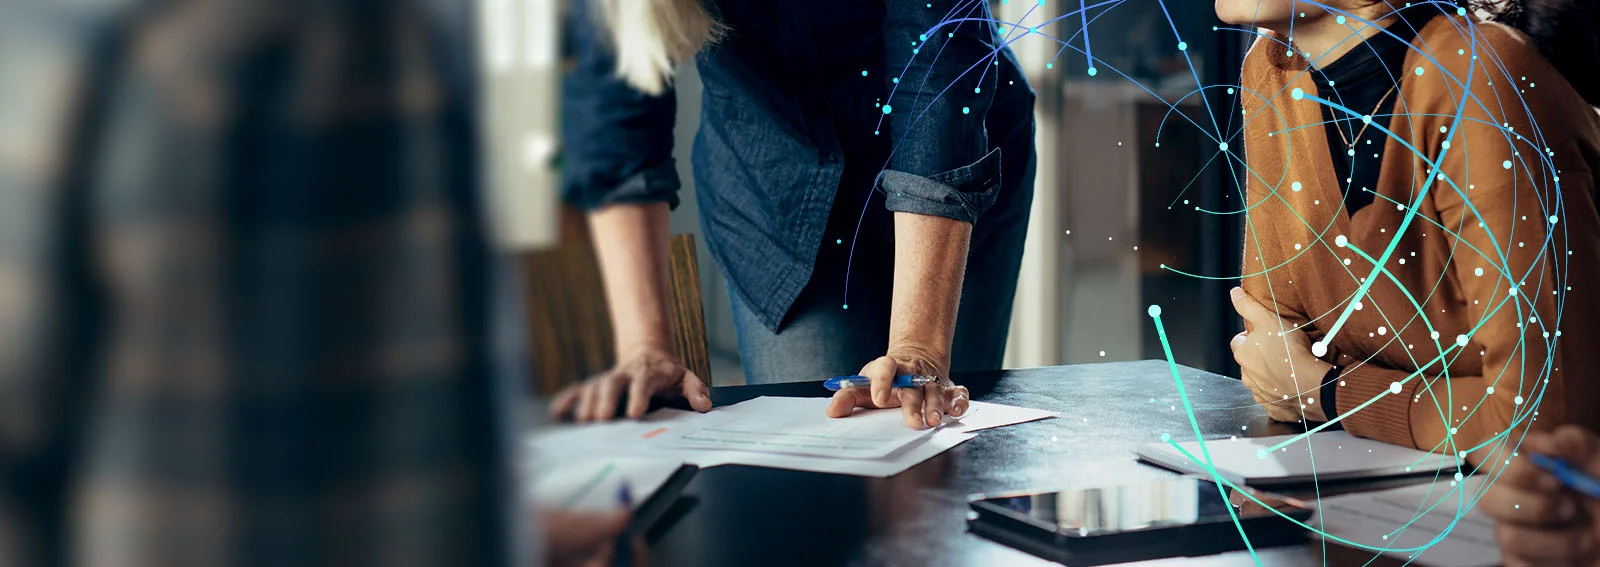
{"x": 1428, "y": 410}
{"x": 930, "y": 261}
{"x": 630, "y": 242}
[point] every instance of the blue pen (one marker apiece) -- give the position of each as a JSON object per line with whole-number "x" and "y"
{"x": 623, "y": 554}
{"x": 1569, "y": 477}
{"x": 859, "y": 381}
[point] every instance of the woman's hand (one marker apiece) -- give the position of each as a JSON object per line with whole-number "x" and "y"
{"x": 650, "y": 372}
{"x": 1537, "y": 521}
{"x": 921, "y": 407}
{"x": 1276, "y": 363}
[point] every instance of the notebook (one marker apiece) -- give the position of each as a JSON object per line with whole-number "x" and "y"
{"x": 1320, "y": 457}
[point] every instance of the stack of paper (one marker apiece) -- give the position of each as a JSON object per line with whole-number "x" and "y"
{"x": 797, "y": 426}
{"x": 1427, "y": 524}
{"x": 788, "y": 433}
{"x": 1299, "y": 459}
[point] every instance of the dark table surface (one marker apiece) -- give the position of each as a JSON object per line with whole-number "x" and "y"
{"x": 738, "y": 515}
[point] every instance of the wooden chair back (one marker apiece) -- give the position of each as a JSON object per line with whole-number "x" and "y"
{"x": 570, "y": 324}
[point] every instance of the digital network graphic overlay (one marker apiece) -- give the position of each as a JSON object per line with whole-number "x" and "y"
{"x": 1530, "y": 160}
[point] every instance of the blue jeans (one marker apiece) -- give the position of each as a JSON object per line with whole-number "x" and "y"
{"x": 821, "y": 338}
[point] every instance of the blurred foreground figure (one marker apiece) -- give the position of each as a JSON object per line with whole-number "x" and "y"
{"x": 255, "y": 329}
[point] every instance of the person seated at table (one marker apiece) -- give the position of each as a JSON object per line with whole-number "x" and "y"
{"x": 815, "y": 170}
{"x": 1538, "y": 521}
{"x": 1420, "y": 215}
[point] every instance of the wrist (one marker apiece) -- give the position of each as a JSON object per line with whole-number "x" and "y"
{"x": 635, "y": 345}
{"x": 1329, "y": 393}
{"x": 920, "y": 357}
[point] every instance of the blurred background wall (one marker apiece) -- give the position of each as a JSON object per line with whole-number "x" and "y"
{"x": 520, "y": 45}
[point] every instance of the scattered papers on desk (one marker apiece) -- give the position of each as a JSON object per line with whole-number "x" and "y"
{"x": 797, "y": 426}
{"x": 912, "y": 455}
{"x": 982, "y": 415}
{"x": 1319, "y": 457}
{"x": 594, "y": 483}
{"x": 1405, "y": 521}
{"x": 662, "y": 434}
{"x": 623, "y": 436}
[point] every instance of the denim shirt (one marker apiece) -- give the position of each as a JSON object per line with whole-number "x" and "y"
{"x": 801, "y": 108}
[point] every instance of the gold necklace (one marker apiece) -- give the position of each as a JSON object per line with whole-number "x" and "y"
{"x": 1351, "y": 145}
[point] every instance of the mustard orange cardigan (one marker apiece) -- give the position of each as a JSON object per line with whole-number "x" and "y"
{"x": 1465, "y": 196}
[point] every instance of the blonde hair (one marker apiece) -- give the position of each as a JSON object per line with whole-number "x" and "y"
{"x": 650, "y": 37}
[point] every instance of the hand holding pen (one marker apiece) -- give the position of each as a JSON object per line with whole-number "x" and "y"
{"x": 906, "y": 380}
{"x": 1544, "y": 503}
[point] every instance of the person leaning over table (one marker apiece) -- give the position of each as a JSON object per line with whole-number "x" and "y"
{"x": 798, "y": 123}
{"x": 1307, "y": 220}
{"x": 1537, "y": 520}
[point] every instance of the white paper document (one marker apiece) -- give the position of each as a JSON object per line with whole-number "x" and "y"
{"x": 1404, "y": 523}
{"x": 1325, "y": 456}
{"x": 796, "y": 426}
{"x": 659, "y": 435}
{"x": 921, "y": 450}
{"x": 983, "y": 415}
{"x": 620, "y": 437}
{"x": 594, "y": 484}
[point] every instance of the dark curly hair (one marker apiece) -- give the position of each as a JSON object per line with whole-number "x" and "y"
{"x": 1566, "y": 31}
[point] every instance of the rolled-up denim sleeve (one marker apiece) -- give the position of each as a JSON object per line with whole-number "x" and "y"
{"x": 617, "y": 141}
{"x": 942, "y": 164}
